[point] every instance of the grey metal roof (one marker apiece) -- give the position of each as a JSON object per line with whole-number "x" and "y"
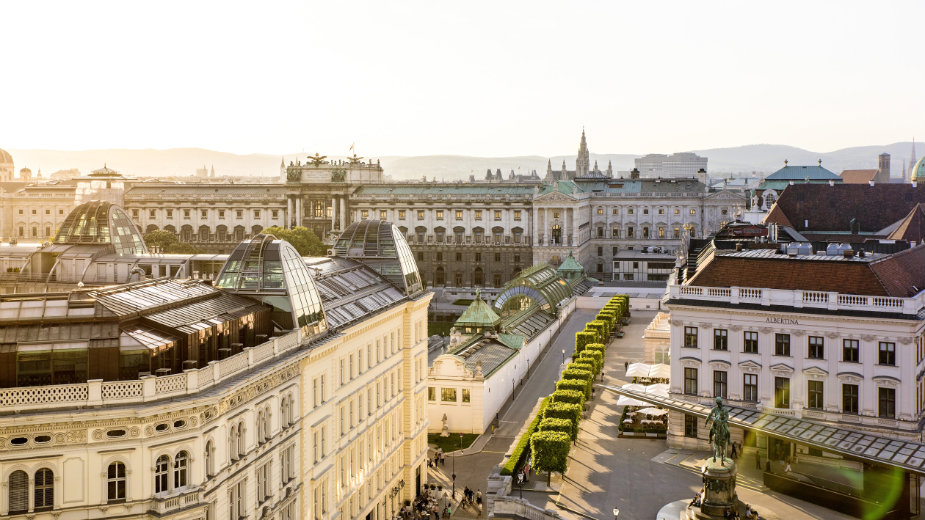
{"x": 878, "y": 449}
{"x": 192, "y": 317}
{"x": 137, "y": 297}
{"x": 489, "y": 351}
{"x": 350, "y": 290}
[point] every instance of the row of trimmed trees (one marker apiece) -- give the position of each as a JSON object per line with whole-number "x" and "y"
{"x": 551, "y": 433}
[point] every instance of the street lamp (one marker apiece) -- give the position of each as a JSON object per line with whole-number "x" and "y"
{"x": 563, "y": 356}
{"x": 454, "y": 465}
{"x": 616, "y": 513}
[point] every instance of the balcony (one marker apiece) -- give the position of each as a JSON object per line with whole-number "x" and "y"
{"x": 164, "y": 506}
{"x": 831, "y": 301}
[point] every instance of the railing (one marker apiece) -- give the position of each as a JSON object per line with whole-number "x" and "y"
{"x": 165, "y": 505}
{"x": 799, "y": 299}
{"x": 508, "y": 506}
{"x": 97, "y": 392}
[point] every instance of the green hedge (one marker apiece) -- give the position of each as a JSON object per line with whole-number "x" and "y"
{"x": 550, "y": 451}
{"x": 552, "y": 424}
{"x": 514, "y": 462}
{"x": 607, "y": 316}
{"x": 599, "y": 347}
{"x": 581, "y": 364}
{"x": 568, "y": 396}
{"x": 580, "y": 375}
{"x": 569, "y": 411}
{"x": 603, "y": 332}
{"x": 574, "y": 384}
{"x": 598, "y": 358}
{"x": 582, "y": 338}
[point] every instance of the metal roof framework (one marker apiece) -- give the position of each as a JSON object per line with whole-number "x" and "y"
{"x": 876, "y": 449}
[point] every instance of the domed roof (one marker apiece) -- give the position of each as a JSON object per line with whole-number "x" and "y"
{"x": 918, "y": 171}
{"x": 5, "y": 157}
{"x": 381, "y": 246}
{"x": 101, "y": 222}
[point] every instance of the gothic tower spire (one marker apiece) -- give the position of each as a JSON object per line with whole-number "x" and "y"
{"x": 912, "y": 159}
{"x": 583, "y": 163}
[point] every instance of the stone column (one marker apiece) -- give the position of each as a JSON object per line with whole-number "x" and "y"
{"x": 534, "y": 226}
{"x": 298, "y": 210}
{"x": 343, "y": 213}
{"x": 333, "y": 212}
{"x": 288, "y": 219}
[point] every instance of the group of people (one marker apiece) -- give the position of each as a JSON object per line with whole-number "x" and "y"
{"x": 473, "y": 498}
{"x": 438, "y": 460}
{"x": 729, "y": 514}
{"x": 426, "y": 507}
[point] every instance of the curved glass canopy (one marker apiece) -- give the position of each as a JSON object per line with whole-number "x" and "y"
{"x": 101, "y": 222}
{"x": 381, "y": 246}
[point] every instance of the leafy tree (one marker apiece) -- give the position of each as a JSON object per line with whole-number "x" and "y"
{"x": 570, "y": 411}
{"x": 583, "y": 338}
{"x": 302, "y": 239}
{"x": 556, "y": 425}
{"x": 550, "y": 452}
{"x": 568, "y": 396}
{"x": 166, "y": 242}
{"x": 596, "y": 356}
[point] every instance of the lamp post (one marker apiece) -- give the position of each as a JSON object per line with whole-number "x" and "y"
{"x": 563, "y": 356}
{"x": 454, "y": 465}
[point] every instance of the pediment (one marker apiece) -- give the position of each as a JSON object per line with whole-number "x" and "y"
{"x": 555, "y": 196}
{"x": 750, "y": 366}
{"x": 815, "y": 373}
{"x": 781, "y": 368}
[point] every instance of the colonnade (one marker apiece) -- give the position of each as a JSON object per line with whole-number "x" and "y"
{"x": 295, "y": 211}
{"x": 544, "y": 222}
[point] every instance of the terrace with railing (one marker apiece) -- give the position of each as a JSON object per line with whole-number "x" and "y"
{"x": 831, "y": 301}
{"x": 97, "y": 392}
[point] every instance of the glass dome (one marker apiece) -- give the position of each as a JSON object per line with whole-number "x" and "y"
{"x": 101, "y": 222}
{"x": 381, "y": 246}
{"x": 273, "y": 270}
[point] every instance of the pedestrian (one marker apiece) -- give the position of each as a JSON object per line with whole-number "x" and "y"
{"x": 787, "y": 469}
{"x": 757, "y": 460}
{"x": 767, "y": 466}
{"x": 734, "y": 452}
{"x": 443, "y": 459}
{"x": 626, "y": 366}
{"x": 478, "y": 498}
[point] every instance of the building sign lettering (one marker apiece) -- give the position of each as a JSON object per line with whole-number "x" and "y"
{"x": 782, "y": 321}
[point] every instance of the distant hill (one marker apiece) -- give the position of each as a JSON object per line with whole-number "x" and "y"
{"x": 178, "y": 162}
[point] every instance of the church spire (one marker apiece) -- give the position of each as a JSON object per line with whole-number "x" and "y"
{"x": 609, "y": 169}
{"x": 583, "y": 162}
{"x": 912, "y": 159}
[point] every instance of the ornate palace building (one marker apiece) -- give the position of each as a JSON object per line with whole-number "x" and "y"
{"x": 463, "y": 234}
{"x": 289, "y": 388}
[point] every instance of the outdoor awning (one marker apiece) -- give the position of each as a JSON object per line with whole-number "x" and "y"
{"x": 857, "y": 445}
{"x": 661, "y": 371}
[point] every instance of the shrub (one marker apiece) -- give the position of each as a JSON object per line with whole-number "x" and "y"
{"x": 581, "y": 364}
{"x": 556, "y": 425}
{"x": 599, "y": 347}
{"x": 568, "y": 396}
{"x": 569, "y": 411}
{"x": 603, "y": 332}
{"x": 574, "y": 384}
{"x": 583, "y": 338}
{"x": 514, "y": 462}
{"x": 550, "y": 451}
{"x": 608, "y": 317}
{"x": 580, "y": 375}
{"x": 598, "y": 358}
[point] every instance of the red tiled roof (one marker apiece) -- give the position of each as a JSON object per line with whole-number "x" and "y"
{"x": 831, "y": 208}
{"x": 894, "y": 275}
{"x": 858, "y": 176}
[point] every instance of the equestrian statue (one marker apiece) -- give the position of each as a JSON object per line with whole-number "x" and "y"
{"x": 719, "y": 431}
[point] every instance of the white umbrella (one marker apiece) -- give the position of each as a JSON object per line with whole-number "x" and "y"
{"x": 636, "y": 387}
{"x": 629, "y": 401}
{"x": 637, "y": 370}
{"x": 661, "y": 371}
{"x": 660, "y": 389}
{"x": 652, "y": 411}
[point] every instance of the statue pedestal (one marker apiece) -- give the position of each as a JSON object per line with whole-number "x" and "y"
{"x": 719, "y": 493}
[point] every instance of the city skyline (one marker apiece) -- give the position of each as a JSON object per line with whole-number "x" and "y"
{"x": 417, "y": 79}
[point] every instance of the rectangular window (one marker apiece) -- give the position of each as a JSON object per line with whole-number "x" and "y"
{"x": 849, "y": 398}
{"x": 134, "y": 213}
{"x": 420, "y": 214}
{"x": 221, "y": 214}
{"x": 431, "y": 393}
{"x": 887, "y": 353}
{"x": 186, "y": 214}
{"x": 751, "y": 342}
{"x": 383, "y": 214}
{"x": 364, "y": 214}
{"x": 750, "y": 387}
{"x": 816, "y": 348}
{"x": 256, "y": 213}
{"x": 448, "y": 395}
{"x": 401, "y": 214}
{"x": 690, "y": 426}
{"x": 465, "y": 395}
{"x": 814, "y": 392}
{"x": 459, "y": 214}
{"x": 151, "y": 214}
{"x": 239, "y": 213}
{"x": 782, "y": 392}
{"x": 720, "y": 383}
{"x": 615, "y": 233}
{"x": 720, "y": 339}
{"x": 690, "y": 381}
{"x": 887, "y": 399}
{"x": 275, "y": 213}
{"x": 497, "y": 214}
{"x": 782, "y": 344}
{"x": 478, "y": 214}
{"x": 690, "y": 337}
{"x": 439, "y": 214}
{"x": 517, "y": 215}
{"x": 850, "y": 350}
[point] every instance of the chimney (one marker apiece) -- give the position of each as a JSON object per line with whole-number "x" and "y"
{"x": 871, "y": 183}
{"x": 831, "y": 183}
{"x": 848, "y": 253}
{"x": 739, "y": 246}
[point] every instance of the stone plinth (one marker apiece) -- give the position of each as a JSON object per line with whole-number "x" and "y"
{"x": 719, "y": 482}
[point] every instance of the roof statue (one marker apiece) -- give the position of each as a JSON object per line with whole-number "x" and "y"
{"x": 719, "y": 431}
{"x": 317, "y": 159}
{"x": 355, "y": 159}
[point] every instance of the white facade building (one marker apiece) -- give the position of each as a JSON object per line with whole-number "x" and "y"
{"x": 676, "y": 165}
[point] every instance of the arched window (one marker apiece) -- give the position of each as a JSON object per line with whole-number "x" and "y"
{"x": 284, "y": 412}
{"x": 261, "y": 431}
{"x": 267, "y": 429}
{"x": 203, "y": 233}
{"x": 160, "y": 474}
{"x": 477, "y": 278}
{"x": 180, "y": 470}
{"x": 210, "y": 459}
{"x": 241, "y": 439}
{"x": 439, "y": 276}
{"x": 290, "y": 418}
{"x": 233, "y": 443}
{"x": 19, "y": 492}
{"x": 44, "y": 490}
{"x": 115, "y": 482}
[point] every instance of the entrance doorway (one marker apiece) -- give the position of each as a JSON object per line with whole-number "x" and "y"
{"x": 556, "y": 234}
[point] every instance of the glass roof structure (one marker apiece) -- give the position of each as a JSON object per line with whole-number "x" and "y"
{"x": 381, "y": 246}
{"x": 877, "y": 449}
{"x": 273, "y": 271}
{"x": 101, "y": 222}
{"x": 540, "y": 284}
{"x": 351, "y": 290}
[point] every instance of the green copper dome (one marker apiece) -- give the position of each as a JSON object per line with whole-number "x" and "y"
{"x": 918, "y": 171}
{"x": 478, "y": 315}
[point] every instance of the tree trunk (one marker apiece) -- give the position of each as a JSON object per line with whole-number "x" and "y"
{"x": 549, "y": 479}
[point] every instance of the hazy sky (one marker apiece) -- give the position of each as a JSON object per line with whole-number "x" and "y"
{"x": 475, "y": 78}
